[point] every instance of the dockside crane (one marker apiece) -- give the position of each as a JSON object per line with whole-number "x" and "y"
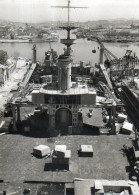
{"x": 127, "y": 62}
{"x": 110, "y": 59}
{"x": 105, "y": 52}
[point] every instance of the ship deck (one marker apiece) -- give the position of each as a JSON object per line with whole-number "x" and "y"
{"x": 17, "y": 164}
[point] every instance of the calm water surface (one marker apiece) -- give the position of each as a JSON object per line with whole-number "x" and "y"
{"x": 82, "y": 50}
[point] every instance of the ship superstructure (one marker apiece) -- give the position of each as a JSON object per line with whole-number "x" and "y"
{"x": 57, "y": 150}
{"x": 65, "y": 99}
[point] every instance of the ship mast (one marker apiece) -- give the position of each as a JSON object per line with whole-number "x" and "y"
{"x": 68, "y": 12}
{"x": 68, "y": 42}
{"x": 64, "y": 60}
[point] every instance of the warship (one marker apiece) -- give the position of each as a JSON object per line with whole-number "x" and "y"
{"x": 69, "y": 134}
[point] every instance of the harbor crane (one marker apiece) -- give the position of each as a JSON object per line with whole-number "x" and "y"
{"x": 105, "y": 52}
{"x": 127, "y": 62}
{"x": 110, "y": 58}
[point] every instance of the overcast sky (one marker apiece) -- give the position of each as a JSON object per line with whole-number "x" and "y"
{"x": 40, "y": 11}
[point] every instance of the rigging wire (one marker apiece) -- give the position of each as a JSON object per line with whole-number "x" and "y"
{"x": 134, "y": 12}
{"x": 60, "y": 17}
{"x": 76, "y": 15}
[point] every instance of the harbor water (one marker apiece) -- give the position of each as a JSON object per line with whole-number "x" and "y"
{"x": 82, "y": 50}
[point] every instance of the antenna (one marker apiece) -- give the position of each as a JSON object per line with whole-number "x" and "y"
{"x": 68, "y": 12}
{"x": 68, "y": 42}
{"x": 68, "y": 7}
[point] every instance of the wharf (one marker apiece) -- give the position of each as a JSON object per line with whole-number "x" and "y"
{"x": 29, "y": 73}
{"x": 25, "y": 41}
{"x": 11, "y": 85}
{"x": 14, "y": 41}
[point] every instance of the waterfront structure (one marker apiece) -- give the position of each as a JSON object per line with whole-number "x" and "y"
{"x": 6, "y": 70}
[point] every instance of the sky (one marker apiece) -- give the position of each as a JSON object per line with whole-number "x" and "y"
{"x": 41, "y": 11}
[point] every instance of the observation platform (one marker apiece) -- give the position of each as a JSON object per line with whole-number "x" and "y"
{"x": 72, "y": 91}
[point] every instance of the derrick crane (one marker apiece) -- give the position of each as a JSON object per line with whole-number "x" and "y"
{"x": 105, "y": 52}
{"x": 109, "y": 88}
{"x": 109, "y": 59}
{"x": 130, "y": 60}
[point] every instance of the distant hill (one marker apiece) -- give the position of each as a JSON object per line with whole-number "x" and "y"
{"x": 4, "y": 21}
{"x": 119, "y": 21}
